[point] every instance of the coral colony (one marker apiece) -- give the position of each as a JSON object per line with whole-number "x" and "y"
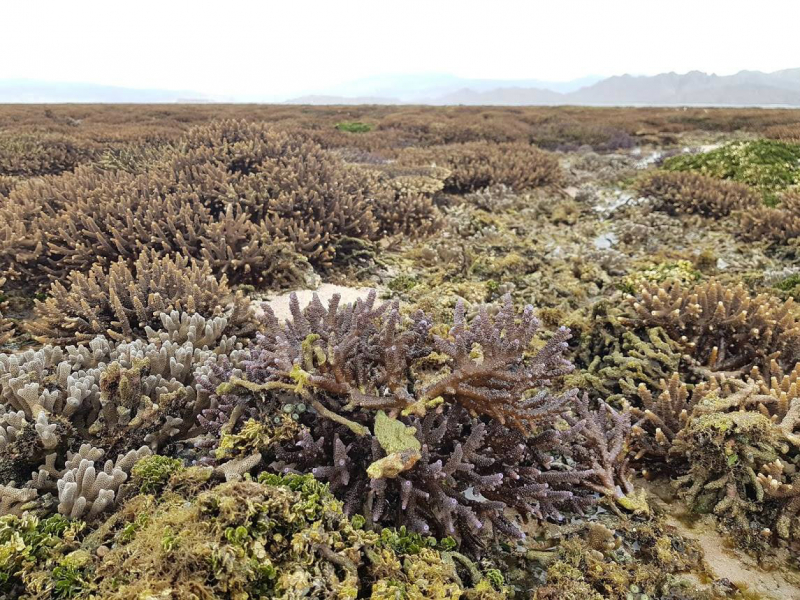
{"x": 561, "y": 348}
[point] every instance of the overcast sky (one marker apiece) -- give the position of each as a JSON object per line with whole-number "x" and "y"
{"x": 242, "y": 48}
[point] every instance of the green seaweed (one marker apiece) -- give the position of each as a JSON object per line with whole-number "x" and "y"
{"x": 768, "y": 165}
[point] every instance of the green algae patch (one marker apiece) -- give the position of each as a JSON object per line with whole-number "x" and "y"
{"x": 767, "y": 165}
{"x": 353, "y": 127}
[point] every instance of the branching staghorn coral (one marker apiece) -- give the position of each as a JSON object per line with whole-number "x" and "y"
{"x": 7, "y": 183}
{"x": 258, "y": 204}
{"x": 779, "y": 224}
{"x": 404, "y": 198}
{"x": 121, "y": 302}
{"x": 693, "y": 193}
{"x": 360, "y": 352}
{"x": 33, "y": 155}
{"x": 478, "y": 426}
{"x": 6, "y": 326}
{"x": 488, "y": 373}
{"x": 662, "y": 416}
{"x": 601, "y": 449}
{"x": 476, "y": 165}
{"x": 724, "y": 329}
{"x": 456, "y": 479}
{"x": 781, "y": 483}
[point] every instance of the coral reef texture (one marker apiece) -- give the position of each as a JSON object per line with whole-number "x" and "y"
{"x": 399, "y": 353}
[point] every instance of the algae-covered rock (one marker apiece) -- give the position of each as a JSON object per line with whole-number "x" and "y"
{"x": 278, "y": 537}
{"x": 725, "y": 451}
{"x": 621, "y": 559}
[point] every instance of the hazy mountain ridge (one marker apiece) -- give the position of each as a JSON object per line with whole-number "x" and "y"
{"x": 13, "y": 91}
{"x": 746, "y": 88}
{"x": 780, "y": 88}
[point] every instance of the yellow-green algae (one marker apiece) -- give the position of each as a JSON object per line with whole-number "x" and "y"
{"x": 275, "y": 537}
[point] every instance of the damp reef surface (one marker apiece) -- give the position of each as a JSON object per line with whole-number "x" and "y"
{"x": 399, "y": 353}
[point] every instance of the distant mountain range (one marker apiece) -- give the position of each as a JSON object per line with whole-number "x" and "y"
{"x": 746, "y": 88}
{"x": 22, "y": 91}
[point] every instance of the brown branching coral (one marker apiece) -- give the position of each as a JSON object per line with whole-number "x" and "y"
{"x": 661, "y": 417}
{"x": 33, "y": 155}
{"x": 476, "y": 165}
{"x": 404, "y": 198}
{"x": 256, "y": 203}
{"x": 6, "y": 326}
{"x": 680, "y": 193}
{"x": 293, "y": 186}
{"x": 781, "y": 483}
{"x": 778, "y": 225}
{"x": 7, "y": 183}
{"x": 121, "y": 302}
{"x": 724, "y": 329}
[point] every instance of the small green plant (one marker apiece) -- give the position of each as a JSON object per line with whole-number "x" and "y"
{"x": 69, "y": 578}
{"x": 152, "y": 472}
{"x": 788, "y": 284}
{"x": 403, "y": 541}
{"x": 353, "y": 127}
{"x": 28, "y": 540}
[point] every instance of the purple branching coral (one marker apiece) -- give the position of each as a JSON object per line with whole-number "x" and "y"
{"x": 496, "y": 384}
{"x": 601, "y": 453}
{"x": 469, "y": 423}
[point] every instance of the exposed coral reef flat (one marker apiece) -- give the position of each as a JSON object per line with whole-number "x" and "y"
{"x": 362, "y": 352}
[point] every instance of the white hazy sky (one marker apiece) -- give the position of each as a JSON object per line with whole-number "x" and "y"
{"x": 239, "y": 48}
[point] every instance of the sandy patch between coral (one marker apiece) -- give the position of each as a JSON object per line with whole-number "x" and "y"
{"x": 280, "y": 304}
{"x": 736, "y": 567}
{"x": 722, "y": 561}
